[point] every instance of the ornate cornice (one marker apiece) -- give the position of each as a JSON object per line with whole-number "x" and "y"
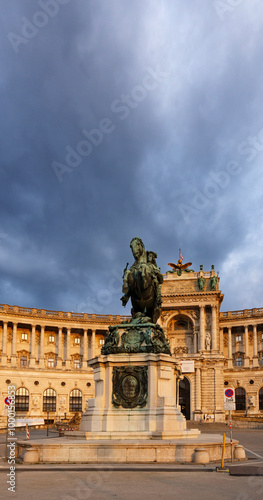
{"x": 26, "y": 315}
{"x": 189, "y": 294}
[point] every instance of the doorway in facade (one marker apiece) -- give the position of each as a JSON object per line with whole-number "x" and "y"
{"x": 184, "y": 397}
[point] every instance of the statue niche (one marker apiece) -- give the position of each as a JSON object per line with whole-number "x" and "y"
{"x": 180, "y": 334}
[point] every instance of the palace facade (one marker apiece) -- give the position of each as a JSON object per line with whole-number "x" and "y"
{"x": 45, "y": 353}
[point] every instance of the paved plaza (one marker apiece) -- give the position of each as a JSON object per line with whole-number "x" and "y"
{"x": 77, "y": 485}
{"x": 124, "y": 482}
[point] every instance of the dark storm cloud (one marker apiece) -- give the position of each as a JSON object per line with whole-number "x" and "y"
{"x": 180, "y": 87}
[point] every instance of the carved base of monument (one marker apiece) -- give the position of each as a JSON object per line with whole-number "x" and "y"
{"x": 68, "y": 450}
{"x": 139, "y": 335}
{"x": 135, "y": 398}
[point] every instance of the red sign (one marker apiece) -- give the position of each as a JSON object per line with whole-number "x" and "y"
{"x": 229, "y": 393}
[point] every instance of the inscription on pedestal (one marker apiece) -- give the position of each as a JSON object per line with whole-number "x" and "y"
{"x": 130, "y": 386}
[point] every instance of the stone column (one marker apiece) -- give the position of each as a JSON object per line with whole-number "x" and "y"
{"x": 32, "y": 359}
{"x": 202, "y": 329}
{"x": 93, "y": 344}
{"x": 85, "y": 350}
{"x": 41, "y": 357}
{"x": 13, "y": 356}
{"x": 221, "y": 340}
{"x": 195, "y": 343}
{"x": 214, "y": 329}
{"x": 4, "y": 345}
{"x": 246, "y": 360}
{"x": 59, "y": 358}
{"x": 230, "y": 359}
{"x": 255, "y": 346}
{"x": 68, "y": 348}
{"x": 177, "y": 382}
{"x": 197, "y": 390}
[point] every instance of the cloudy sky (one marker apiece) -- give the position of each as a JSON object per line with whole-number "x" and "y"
{"x": 127, "y": 118}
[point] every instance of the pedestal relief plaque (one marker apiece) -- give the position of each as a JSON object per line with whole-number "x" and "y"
{"x": 130, "y": 386}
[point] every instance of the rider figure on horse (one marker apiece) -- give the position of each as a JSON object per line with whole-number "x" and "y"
{"x": 142, "y": 282}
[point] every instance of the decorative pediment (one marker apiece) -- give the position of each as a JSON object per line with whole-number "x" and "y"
{"x": 77, "y": 356}
{"x": 50, "y": 355}
{"x": 238, "y": 354}
{"x": 22, "y": 353}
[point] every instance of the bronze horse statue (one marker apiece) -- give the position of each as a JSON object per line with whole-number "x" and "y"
{"x": 142, "y": 283}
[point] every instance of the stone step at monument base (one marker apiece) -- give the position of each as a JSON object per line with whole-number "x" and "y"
{"x": 203, "y": 449}
{"x": 144, "y": 421}
{"x": 177, "y": 434}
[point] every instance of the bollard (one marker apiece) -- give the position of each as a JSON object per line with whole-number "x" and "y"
{"x": 239, "y": 452}
{"x": 201, "y": 456}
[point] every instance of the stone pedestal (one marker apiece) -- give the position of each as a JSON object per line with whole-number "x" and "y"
{"x": 135, "y": 397}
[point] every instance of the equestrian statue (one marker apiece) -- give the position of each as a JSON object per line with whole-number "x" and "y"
{"x": 142, "y": 283}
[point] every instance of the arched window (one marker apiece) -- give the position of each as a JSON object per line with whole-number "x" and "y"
{"x": 240, "y": 398}
{"x": 260, "y": 397}
{"x": 75, "y": 400}
{"x": 22, "y": 399}
{"x": 49, "y": 400}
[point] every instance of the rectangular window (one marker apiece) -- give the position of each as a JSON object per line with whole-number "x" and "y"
{"x": 76, "y": 363}
{"x": 24, "y": 336}
{"x": 238, "y": 338}
{"x": 102, "y": 341}
{"x": 51, "y": 338}
{"x": 77, "y": 340}
{"x": 51, "y": 363}
{"x": 23, "y": 361}
{"x": 239, "y": 362}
